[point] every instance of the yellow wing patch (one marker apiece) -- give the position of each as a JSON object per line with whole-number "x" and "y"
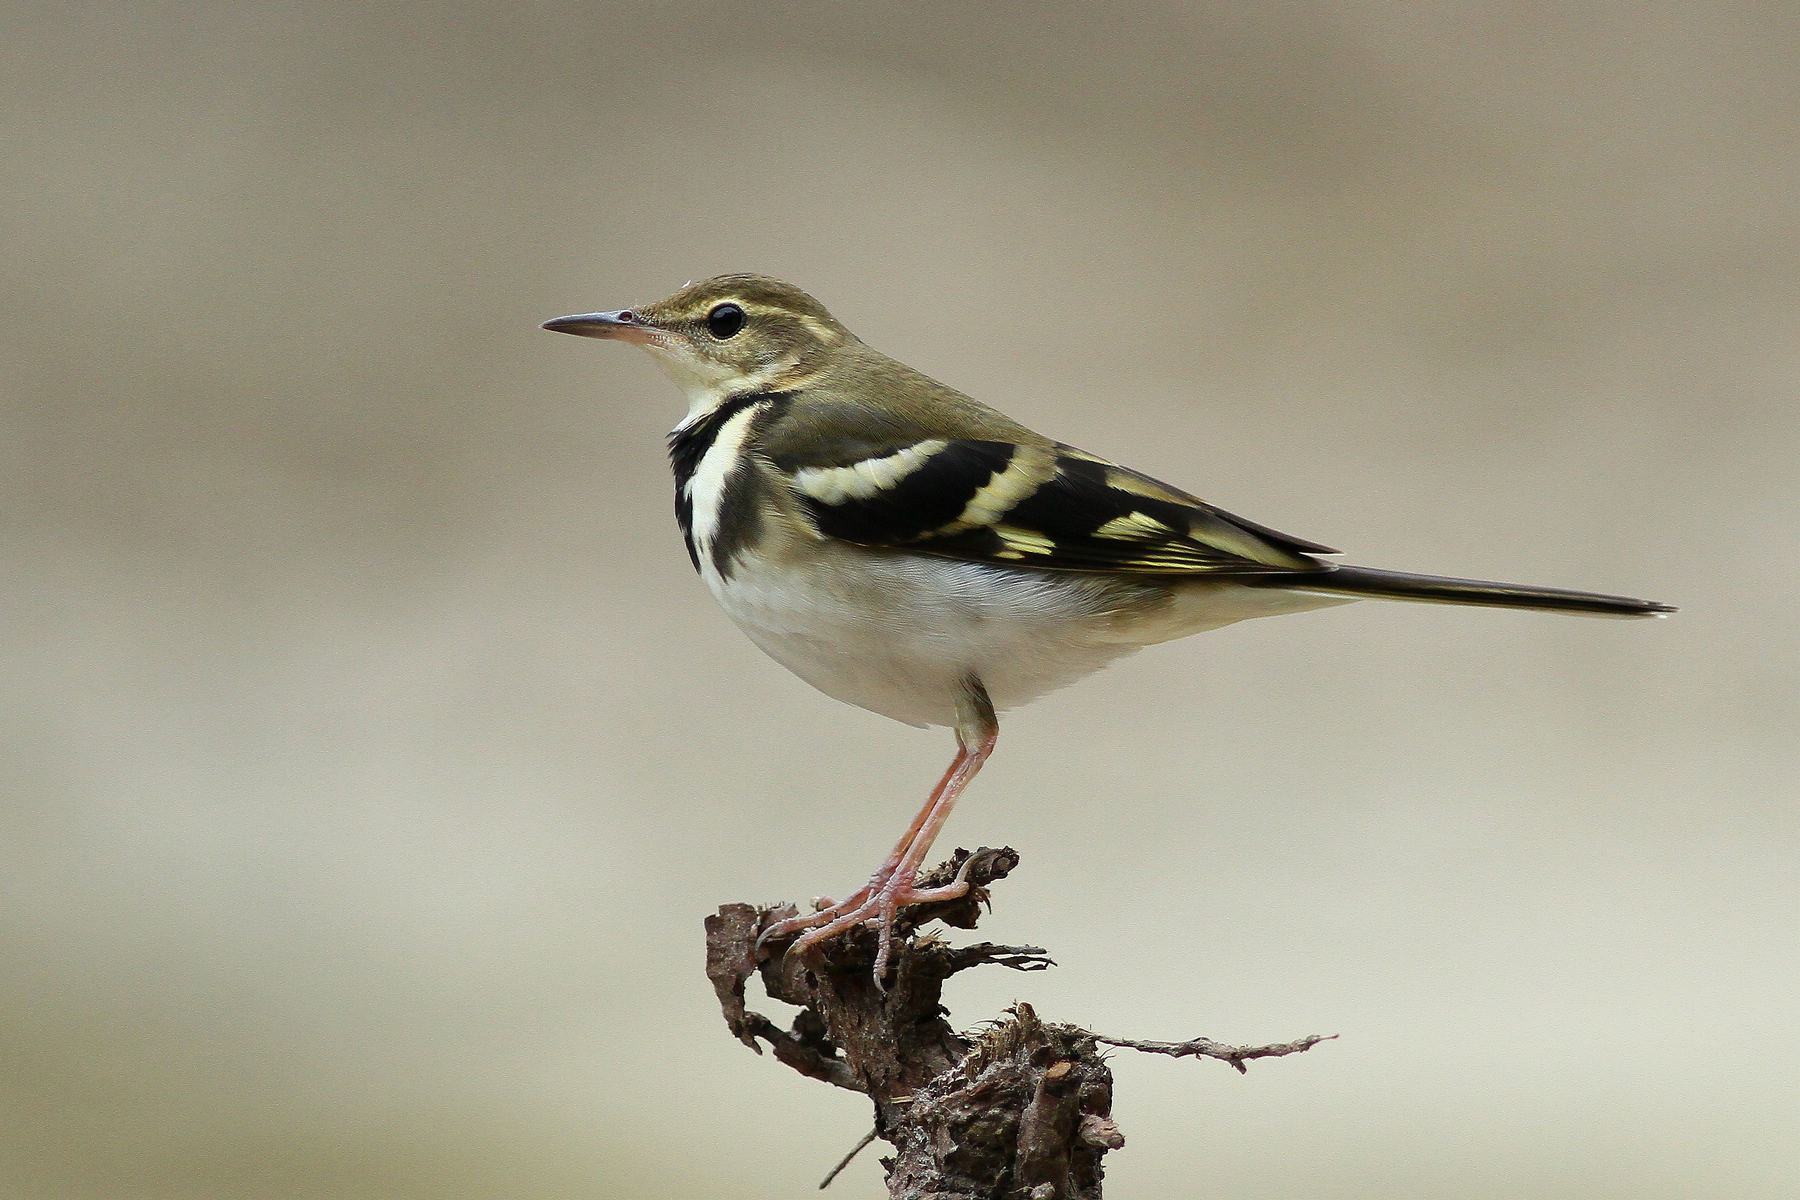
{"x": 865, "y": 479}
{"x": 1023, "y": 476}
{"x": 1134, "y": 526}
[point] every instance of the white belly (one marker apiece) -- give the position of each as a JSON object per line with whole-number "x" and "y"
{"x": 897, "y": 634}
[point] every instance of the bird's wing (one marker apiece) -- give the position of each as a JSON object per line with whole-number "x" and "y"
{"x": 1049, "y": 506}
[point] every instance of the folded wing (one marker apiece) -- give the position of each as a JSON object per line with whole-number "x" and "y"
{"x": 1050, "y": 506}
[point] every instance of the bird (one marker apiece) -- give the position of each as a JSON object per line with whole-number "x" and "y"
{"x": 911, "y": 551}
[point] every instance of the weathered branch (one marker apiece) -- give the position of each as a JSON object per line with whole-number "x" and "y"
{"x": 1201, "y": 1047}
{"x": 1023, "y": 1109}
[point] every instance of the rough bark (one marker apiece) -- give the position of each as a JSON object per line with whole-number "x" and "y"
{"x": 1023, "y": 1109}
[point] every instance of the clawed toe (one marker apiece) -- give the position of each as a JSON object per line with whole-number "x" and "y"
{"x": 826, "y": 914}
{"x": 878, "y": 905}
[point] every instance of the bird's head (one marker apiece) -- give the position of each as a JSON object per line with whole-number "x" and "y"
{"x": 724, "y": 336}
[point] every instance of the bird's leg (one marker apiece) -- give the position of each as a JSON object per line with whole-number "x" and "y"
{"x": 891, "y": 887}
{"x": 830, "y": 910}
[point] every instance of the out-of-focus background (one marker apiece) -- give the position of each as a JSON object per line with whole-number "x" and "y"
{"x": 371, "y": 754}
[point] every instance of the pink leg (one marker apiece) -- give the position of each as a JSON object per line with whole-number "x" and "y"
{"x": 891, "y": 887}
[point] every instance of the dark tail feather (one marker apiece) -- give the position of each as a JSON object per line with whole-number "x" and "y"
{"x": 1435, "y": 589}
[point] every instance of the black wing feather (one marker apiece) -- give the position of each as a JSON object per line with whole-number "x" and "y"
{"x": 1062, "y": 509}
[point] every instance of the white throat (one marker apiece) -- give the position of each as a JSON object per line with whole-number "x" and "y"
{"x": 707, "y": 384}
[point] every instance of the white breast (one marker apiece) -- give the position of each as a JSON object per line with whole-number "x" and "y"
{"x": 897, "y": 634}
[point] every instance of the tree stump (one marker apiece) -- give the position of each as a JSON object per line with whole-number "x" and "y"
{"x": 1023, "y": 1109}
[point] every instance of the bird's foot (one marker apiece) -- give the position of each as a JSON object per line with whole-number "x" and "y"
{"x": 876, "y": 903}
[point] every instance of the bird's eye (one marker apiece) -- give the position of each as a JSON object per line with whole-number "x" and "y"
{"x": 725, "y": 320}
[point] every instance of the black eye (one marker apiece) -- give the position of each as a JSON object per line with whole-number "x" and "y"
{"x": 725, "y": 320}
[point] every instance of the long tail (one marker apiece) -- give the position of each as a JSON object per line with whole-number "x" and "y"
{"x": 1436, "y": 589}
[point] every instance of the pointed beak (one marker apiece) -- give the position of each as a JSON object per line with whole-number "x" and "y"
{"x": 621, "y": 326}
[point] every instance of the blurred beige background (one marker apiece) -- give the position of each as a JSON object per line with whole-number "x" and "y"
{"x": 371, "y": 754}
